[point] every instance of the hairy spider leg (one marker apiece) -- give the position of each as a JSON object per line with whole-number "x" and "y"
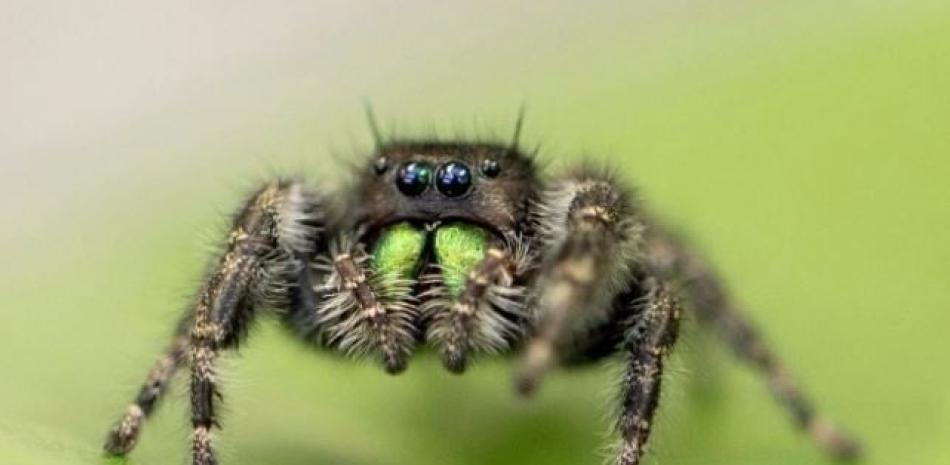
{"x": 124, "y": 435}
{"x": 591, "y": 237}
{"x": 648, "y": 338}
{"x": 275, "y": 230}
{"x": 716, "y": 310}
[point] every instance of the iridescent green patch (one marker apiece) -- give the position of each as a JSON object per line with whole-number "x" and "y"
{"x": 398, "y": 251}
{"x": 459, "y": 248}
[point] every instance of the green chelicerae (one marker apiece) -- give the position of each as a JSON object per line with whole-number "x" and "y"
{"x": 457, "y": 248}
{"x": 398, "y": 251}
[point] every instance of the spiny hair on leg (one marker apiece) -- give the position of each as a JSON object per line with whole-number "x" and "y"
{"x": 345, "y": 323}
{"x": 591, "y": 231}
{"x": 590, "y": 217}
{"x": 292, "y": 219}
{"x": 276, "y": 280}
{"x": 522, "y": 254}
{"x": 300, "y": 220}
{"x": 500, "y": 315}
{"x": 298, "y": 214}
{"x": 572, "y": 205}
{"x": 491, "y": 329}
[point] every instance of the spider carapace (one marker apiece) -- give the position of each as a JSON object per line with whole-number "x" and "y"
{"x": 468, "y": 249}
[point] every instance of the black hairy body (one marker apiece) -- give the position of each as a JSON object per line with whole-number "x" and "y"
{"x": 567, "y": 270}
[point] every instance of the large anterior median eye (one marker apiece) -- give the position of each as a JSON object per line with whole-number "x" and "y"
{"x": 413, "y": 178}
{"x": 453, "y": 179}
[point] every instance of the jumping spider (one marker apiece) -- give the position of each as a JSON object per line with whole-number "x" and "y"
{"x": 465, "y": 248}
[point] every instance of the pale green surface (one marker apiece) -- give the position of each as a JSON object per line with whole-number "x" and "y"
{"x": 398, "y": 251}
{"x": 458, "y": 249}
{"x": 803, "y": 146}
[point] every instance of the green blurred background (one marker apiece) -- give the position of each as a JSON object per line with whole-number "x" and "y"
{"x": 802, "y": 145}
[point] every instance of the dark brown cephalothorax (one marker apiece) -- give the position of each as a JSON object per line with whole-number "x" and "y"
{"x": 493, "y": 187}
{"x": 464, "y": 248}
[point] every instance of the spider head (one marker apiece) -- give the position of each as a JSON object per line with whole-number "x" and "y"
{"x": 430, "y": 182}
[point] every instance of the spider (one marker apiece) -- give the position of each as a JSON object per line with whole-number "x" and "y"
{"x": 465, "y": 248}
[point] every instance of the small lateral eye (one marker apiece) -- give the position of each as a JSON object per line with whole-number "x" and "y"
{"x": 381, "y": 165}
{"x": 490, "y": 168}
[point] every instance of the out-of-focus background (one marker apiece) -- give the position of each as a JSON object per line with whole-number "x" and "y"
{"x": 803, "y": 145}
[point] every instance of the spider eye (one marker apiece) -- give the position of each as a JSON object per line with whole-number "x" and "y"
{"x": 453, "y": 179}
{"x": 413, "y": 178}
{"x": 381, "y": 165}
{"x": 490, "y": 168}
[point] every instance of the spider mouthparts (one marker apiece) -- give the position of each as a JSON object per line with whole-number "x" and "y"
{"x": 394, "y": 365}
{"x": 455, "y": 362}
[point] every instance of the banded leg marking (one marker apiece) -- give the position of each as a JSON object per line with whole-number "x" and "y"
{"x": 649, "y": 338}
{"x": 455, "y": 331}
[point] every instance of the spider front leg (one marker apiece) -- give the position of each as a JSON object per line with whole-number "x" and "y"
{"x": 590, "y": 237}
{"x": 648, "y": 338}
{"x": 274, "y": 232}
